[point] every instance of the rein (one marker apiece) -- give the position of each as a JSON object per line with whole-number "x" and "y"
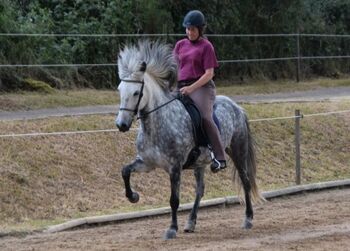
{"x": 144, "y": 115}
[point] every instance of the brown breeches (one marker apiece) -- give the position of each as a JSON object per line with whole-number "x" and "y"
{"x": 204, "y": 98}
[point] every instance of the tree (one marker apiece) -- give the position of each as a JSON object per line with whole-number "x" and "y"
{"x": 151, "y": 16}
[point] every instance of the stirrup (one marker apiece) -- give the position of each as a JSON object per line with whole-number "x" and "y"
{"x": 217, "y": 165}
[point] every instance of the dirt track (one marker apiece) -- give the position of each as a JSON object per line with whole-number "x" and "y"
{"x": 313, "y": 221}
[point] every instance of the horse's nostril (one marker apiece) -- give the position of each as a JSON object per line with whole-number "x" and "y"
{"x": 123, "y": 127}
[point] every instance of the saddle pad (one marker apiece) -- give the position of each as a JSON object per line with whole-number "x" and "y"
{"x": 201, "y": 138}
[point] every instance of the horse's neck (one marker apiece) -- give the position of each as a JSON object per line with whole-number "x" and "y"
{"x": 156, "y": 94}
{"x": 157, "y": 97}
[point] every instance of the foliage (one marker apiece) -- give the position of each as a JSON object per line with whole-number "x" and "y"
{"x": 36, "y": 85}
{"x": 154, "y": 17}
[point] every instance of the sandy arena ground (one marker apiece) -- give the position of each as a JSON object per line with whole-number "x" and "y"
{"x": 312, "y": 221}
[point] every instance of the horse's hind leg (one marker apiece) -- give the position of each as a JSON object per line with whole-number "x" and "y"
{"x": 191, "y": 222}
{"x": 248, "y": 222}
{"x": 239, "y": 156}
{"x": 175, "y": 176}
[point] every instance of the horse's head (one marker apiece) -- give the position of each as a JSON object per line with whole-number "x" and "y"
{"x": 131, "y": 92}
{"x": 158, "y": 69}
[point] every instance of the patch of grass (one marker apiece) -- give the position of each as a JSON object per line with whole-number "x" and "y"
{"x": 267, "y": 87}
{"x": 38, "y": 86}
{"x": 86, "y": 97}
{"x": 59, "y": 98}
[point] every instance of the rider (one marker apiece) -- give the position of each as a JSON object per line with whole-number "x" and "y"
{"x": 197, "y": 60}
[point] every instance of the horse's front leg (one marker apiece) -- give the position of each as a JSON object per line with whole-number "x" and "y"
{"x": 175, "y": 177}
{"x": 191, "y": 222}
{"x": 137, "y": 165}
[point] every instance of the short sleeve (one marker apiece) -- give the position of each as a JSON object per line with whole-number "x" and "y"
{"x": 176, "y": 51}
{"x": 209, "y": 57}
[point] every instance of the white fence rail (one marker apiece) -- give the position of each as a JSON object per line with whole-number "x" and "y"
{"x": 298, "y": 116}
{"x": 36, "y": 134}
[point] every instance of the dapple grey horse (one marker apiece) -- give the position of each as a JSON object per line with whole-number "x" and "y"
{"x": 165, "y": 136}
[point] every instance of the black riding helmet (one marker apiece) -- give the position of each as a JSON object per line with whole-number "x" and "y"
{"x": 194, "y": 18}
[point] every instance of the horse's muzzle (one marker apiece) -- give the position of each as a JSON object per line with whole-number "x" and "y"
{"x": 123, "y": 122}
{"x": 123, "y": 127}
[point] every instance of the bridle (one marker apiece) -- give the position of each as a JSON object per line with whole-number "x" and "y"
{"x": 140, "y": 95}
{"x": 135, "y": 110}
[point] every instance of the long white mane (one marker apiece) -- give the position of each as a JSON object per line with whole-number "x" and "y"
{"x": 159, "y": 59}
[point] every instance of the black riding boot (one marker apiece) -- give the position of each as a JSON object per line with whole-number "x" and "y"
{"x": 217, "y": 165}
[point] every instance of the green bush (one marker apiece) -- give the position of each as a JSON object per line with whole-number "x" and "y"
{"x": 152, "y": 16}
{"x": 37, "y": 85}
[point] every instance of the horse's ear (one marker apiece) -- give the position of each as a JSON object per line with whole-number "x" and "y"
{"x": 143, "y": 66}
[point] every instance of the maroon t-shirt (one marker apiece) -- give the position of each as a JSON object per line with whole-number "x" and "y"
{"x": 194, "y": 58}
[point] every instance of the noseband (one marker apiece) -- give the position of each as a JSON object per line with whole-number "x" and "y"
{"x": 140, "y": 95}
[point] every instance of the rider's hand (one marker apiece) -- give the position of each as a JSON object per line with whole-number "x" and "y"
{"x": 187, "y": 90}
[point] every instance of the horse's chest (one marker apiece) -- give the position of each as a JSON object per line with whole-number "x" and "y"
{"x": 167, "y": 143}
{"x": 162, "y": 147}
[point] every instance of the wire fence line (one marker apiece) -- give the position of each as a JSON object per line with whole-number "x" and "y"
{"x": 219, "y": 61}
{"x": 56, "y": 65}
{"x": 244, "y": 60}
{"x": 86, "y": 35}
{"x": 283, "y": 59}
{"x": 167, "y": 35}
{"x": 325, "y": 113}
{"x": 35, "y": 134}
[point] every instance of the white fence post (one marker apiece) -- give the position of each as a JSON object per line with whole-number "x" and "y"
{"x": 298, "y": 116}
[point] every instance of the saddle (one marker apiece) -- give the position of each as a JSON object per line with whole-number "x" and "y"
{"x": 200, "y": 136}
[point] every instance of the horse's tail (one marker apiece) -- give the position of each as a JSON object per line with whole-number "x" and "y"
{"x": 256, "y": 197}
{"x": 251, "y": 166}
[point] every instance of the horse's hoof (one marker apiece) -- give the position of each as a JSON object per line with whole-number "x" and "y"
{"x": 134, "y": 197}
{"x": 170, "y": 234}
{"x": 190, "y": 226}
{"x": 248, "y": 223}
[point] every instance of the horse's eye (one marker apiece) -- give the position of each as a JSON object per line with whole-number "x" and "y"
{"x": 136, "y": 93}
